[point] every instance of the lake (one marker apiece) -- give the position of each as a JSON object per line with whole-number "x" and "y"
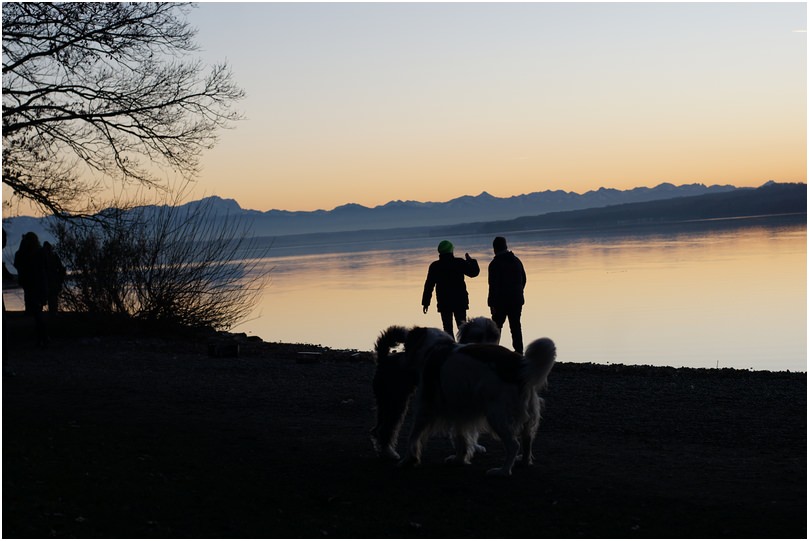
{"x": 728, "y": 294}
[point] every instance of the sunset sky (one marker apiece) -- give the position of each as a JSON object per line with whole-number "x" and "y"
{"x": 369, "y": 103}
{"x": 372, "y": 102}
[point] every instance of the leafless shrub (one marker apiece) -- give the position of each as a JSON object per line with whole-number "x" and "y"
{"x": 179, "y": 264}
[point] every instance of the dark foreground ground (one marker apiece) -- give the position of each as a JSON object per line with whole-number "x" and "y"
{"x": 144, "y": 436}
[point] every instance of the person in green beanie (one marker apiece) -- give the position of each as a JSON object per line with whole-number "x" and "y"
{"x": 446, "y": 275}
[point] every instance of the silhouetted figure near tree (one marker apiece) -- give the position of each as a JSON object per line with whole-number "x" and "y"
{"x": 506, "y": 286}
{"x": 7, "y": 371}
{"x": 32, "y": 274}
{"x": 446, "y": 275}
{"x": 7, "y": 276}
{"x": 55, "y": 272}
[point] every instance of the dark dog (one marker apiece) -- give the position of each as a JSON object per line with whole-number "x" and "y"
{"x": 467, "y": 389}
{"x": 394, "y": 385}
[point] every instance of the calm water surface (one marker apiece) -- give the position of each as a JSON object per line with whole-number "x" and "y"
{"x": 728, "y": 298}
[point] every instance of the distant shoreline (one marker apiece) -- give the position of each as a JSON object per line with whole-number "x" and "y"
{"x": 341, "y": 241}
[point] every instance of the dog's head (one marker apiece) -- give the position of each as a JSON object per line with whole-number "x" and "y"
{"x": 479, "y": 330}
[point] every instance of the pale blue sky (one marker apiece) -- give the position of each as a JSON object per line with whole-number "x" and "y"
{"x": 371, "y": 102}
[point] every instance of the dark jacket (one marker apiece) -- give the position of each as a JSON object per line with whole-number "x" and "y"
{"x": 447, "y": 276}
{"x": 506, "y": 281}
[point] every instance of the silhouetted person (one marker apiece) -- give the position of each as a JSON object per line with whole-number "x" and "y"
{"x": 55, "y": 272}
{"x": 506, "y": 286}
{"x": 7, "y": 276}
{"x": 7, "y": 371}
{"x": 32, "y": 275}
{"x": 446, "y": 275}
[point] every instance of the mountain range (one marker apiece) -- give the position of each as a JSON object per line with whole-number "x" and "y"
{"x": 483, "y": 207}
{"x": 771, "y": 199}
{"x": 485, "y": 213}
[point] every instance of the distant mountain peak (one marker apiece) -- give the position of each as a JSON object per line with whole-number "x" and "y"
{"x": 349, "y": 207}
{"x": 218, "y": 203}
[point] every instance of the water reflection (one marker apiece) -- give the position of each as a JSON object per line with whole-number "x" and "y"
{"x": 729, "y": 297}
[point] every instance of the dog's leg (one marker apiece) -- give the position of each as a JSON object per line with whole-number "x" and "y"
{"x": 393, "y": 389}
{"x": 461, "y": 440}
{"x": 386, "y": 433}
{"x": 529, "y": 431}
{"x": 502, "y": 428}
{"x": 385, "y": 452}
{"x": 383, "y": 438}
{"x": 512, "y": 447}
{"x": 415, "y": 442}
{"x": 413, "y": 455}
{"x": 527, "y": 458}
{"x": 477, "y": 447}
{"x": 474, "y": 448}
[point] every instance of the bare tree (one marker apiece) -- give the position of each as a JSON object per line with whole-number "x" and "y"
{"x": 166, "y": 263}
{"x": 97, "y": 92}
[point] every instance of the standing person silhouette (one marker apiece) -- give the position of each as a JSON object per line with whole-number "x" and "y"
{"x": 506, "y": 287}
{"x": 446, "y": 275}
{"x": 6, "y": 273}
{"x": 32, "y": 274}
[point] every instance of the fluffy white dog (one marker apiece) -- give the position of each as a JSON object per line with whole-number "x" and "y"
{"x": 466, "y": 389}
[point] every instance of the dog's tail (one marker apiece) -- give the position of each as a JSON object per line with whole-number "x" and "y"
{"x": 541, "y": 354}
{"x": 390, "y": 338}
{"x": 479, "y": 330}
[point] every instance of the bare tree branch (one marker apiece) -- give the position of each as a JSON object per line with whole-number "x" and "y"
{"x": 104, "y": 89}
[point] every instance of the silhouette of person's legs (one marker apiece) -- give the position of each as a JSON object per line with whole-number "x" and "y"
{"x": 33, "y": 307}
{"x": 516, "y": 328}
{"x": 499, "y": 316}
{"x": 460, "y": 318}
{"x": 446, "y": 320}
{"x": 447, "y": 317}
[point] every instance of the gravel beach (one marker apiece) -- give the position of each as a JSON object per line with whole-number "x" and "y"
{"x": 137, "y": 434}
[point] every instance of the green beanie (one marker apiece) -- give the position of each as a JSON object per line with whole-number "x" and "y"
{"x": 445, "y": 247}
